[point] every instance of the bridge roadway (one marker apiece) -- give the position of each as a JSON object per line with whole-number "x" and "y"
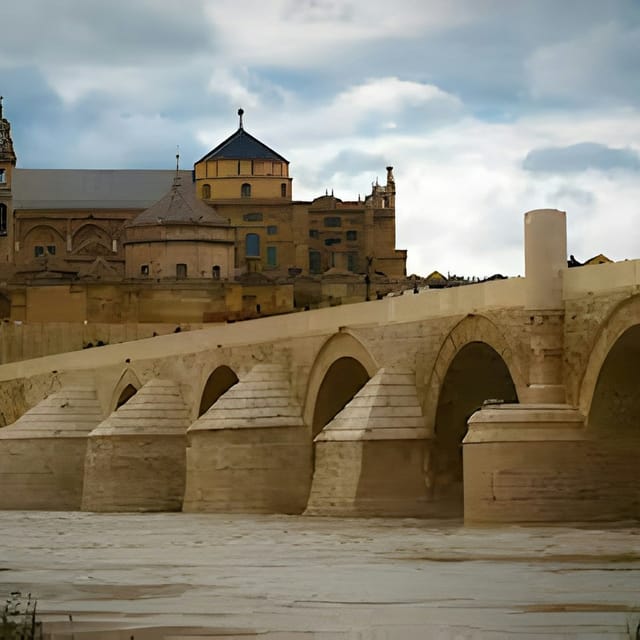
{"x": 292, "y": 578}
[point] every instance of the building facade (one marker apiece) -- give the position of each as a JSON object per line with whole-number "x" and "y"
{"x": 230, "y": 218}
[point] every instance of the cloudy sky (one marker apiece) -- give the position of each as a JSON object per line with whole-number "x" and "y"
{"x": 485, "y": 108}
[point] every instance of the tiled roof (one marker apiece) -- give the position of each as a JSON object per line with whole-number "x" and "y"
{"x": 90, "y": 188}
{"x": 180, "y": 205}
{"x": 242, "y": 146}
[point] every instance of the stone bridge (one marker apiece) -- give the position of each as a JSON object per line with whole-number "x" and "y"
{"x": 508, "y": 401}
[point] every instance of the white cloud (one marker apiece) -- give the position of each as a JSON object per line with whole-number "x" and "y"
{"x": 311, "y": 33}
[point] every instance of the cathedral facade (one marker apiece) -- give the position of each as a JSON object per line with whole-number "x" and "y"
{"x": 233, "y": 219}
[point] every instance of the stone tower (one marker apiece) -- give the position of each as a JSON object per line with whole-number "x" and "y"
{"x": 7, "y": 164}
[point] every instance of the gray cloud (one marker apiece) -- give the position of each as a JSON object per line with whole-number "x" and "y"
{"x": 77, "y": 32}
{"x": 568, "y": 196}
{"x": 581, "y": 157}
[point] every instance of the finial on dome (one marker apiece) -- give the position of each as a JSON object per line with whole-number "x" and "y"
{"x": 1, "y": 98}
{"x": 240, "y": 114}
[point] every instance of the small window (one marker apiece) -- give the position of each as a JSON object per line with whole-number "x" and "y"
{"x": 332, "y": 221}
{"x": 313, "y": 233}
{"x": 252, "y": 245}
{"x": 51, "y": 249}
{"x": 272, "y": 230}
{"x": 206, "y": 191}
{"x": 38, "y": 251}
{"x": 144, "y": 269}
{"x": 252, "y": 217}
{"x": 272, "y": 256}
{"x": 3, "y": 176}
{"x": 181, "y": 271}
{"x": 315, "y": 265}
{"x": 215, "y": 272}
{"x": 352, "y": 236}
{"x": 283, "y": 189}
{"x": 245, "y": 190}
{"x": 3, "y": 219}
{"x": 331, "y": 241}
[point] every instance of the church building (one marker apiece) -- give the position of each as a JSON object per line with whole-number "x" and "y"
{"x": 231, "y": 222}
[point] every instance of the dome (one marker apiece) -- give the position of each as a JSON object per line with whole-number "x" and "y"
{"x": 179, "y": 206}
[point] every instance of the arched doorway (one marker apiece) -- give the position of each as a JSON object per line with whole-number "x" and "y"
{"x": 344, "y": 378}
{"x": 218, "y": 383}
{"x": 476, "y": 373}
{"x": 125, "y": 395}
{"x": 615, "y": 407}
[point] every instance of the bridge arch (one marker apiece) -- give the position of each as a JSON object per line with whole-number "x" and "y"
{"x": 471, "y": 329}
{"x": 220, "y": 380}
{"x": 609, "y": 386}
{"x": 474, "y": 364}
{"x": 125, "y": 388}
{"x": 341, "y": 368}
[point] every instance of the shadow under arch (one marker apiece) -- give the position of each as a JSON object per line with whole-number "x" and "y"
{"x": 126, "y": 387}
{"x": 470, "y": 329}
{"x": 127, "y": 393}
{"x": 221, "y": 379}
{"x": 341, "y": 368}
{"x": 470, "y": 368}
{"x": 608, "y": 351}
{"x": 610, "y": 400}
{"x": 614, "y": 409}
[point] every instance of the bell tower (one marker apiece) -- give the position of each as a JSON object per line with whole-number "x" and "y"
{"x": 7, "y": 165}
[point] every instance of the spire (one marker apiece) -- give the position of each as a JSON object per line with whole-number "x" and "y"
{"x": 7, "y": 154}
{"x": 177, "y": 159}
{"x": 240, "y": 114}
{"x": 390, "y": 175}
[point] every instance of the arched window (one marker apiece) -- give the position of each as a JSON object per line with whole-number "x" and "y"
{"x": 252, "y": 243}
{"x": 206, "y": 191}
{"x": 3, "y": 219}
{"x": 245, "y": 190}
{"x": 215, "y": 272}
{"x": 283, "y": 189}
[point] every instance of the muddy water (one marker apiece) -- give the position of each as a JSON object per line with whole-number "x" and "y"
{"x": 201, "y": 576}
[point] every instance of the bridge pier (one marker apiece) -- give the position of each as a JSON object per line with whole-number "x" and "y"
{"x": 136, "y": 458}
{"x": 369, "y": 459}
{"x": 525, "y": 463}
{"x": 42, "y": 454}
{"x": 251, "y": 451}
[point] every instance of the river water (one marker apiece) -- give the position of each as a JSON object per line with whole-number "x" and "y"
{"x": 292, "y": 578}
